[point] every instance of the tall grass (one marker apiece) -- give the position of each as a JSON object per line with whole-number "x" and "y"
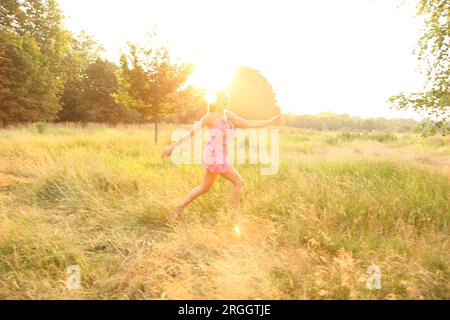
{"x": 100, "y": 198}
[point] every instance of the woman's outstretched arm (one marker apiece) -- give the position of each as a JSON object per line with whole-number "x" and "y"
{"x": 243, "y": 123}
{"x": 167, "y": 152}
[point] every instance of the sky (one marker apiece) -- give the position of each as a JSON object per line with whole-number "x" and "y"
{"x": 346, "y": 56}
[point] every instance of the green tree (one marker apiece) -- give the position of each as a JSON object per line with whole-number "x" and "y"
{"x": 252, "y": 96}
{"x": 33, "y": 39}
{"x": 433, "y": 52}
{"x": 42, "y": 20}
{"x": 91, "y": 98}
{"x": 148, "y": 81}
{"x": 83, "y": 51}
{"x": 26, "y": 84}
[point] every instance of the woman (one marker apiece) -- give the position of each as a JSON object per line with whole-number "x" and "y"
{"x": 221, "y": 124}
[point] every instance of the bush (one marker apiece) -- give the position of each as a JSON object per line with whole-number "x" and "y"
{"x": 41, "y": 127}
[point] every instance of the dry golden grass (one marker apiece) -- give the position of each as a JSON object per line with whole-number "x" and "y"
{"x": 100, "y": 197}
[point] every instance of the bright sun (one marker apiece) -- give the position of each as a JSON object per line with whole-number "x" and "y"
{"x": 210, "y": 97}
{"x": 212, "y": 75}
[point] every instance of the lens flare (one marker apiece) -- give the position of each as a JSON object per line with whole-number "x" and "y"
{"x": 210, "y": 97}
{"x": 212, "y": 74}
{"x": 237, "y": 229}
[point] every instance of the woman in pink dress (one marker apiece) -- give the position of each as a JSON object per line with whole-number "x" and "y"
{"x": 221, "y": 124}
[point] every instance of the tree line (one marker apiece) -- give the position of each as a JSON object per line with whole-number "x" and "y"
{"x": 328, "y": 121}
{"x": 48, "y": 73}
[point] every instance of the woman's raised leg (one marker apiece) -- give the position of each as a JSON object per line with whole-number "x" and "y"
{"x": 208, "y": 180}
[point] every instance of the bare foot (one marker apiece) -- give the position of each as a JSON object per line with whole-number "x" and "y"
{"x": 176, "y": 213}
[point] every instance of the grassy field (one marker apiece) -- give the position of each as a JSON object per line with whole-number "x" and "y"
{"x": 98, "y": 197}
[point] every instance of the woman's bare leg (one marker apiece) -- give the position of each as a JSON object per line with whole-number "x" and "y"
{"x": 208, "y": 180}
{"x": 238, "y": 183}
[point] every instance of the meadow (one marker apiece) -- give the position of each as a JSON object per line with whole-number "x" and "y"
{"x": 99, "y": 197}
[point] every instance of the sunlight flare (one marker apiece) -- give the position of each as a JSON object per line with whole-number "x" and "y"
{"x": 210, "y": 97}
{"x": 213, "y": 75}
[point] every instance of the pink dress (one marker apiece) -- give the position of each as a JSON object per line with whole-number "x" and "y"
{"x": 216, "y": 151}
